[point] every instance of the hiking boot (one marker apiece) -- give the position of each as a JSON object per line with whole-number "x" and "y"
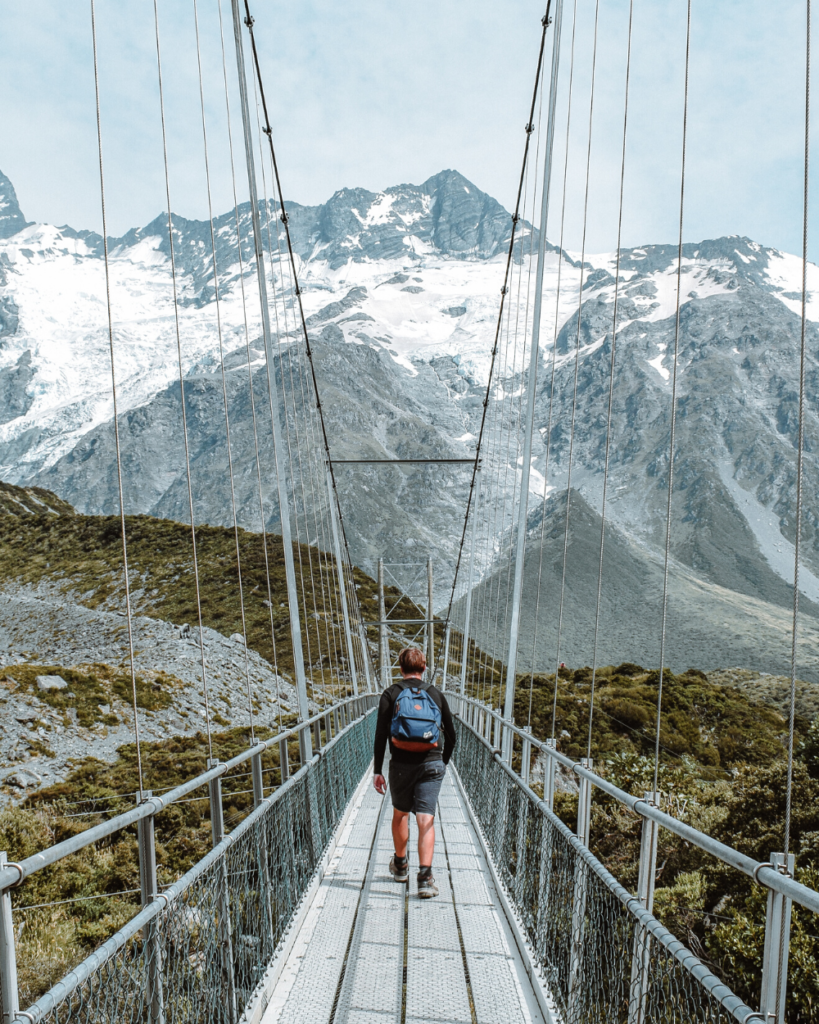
{"x": 400, "y": 874}
{"x": 426, "y": 886}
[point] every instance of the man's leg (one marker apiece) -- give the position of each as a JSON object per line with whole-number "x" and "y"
{"x": 400, "y": 832}
{"x": 426, "y": 839}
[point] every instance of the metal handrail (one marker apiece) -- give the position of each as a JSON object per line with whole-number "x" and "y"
{"x": 710, "y": 982}
{"x": 14, "y": 875}
{"x": 94, "y": 961}
{"x": 759, "y": 871}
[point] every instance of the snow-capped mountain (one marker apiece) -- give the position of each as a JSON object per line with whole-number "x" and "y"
{"x": 401, "y": 289}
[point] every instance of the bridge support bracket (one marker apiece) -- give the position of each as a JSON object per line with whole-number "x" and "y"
{"x": 8, "y": 955}
{"x": 777, "y": 942}
{"x": 258, "y": 779}
{"x": 217, "y": 828}
{"x": 149, "y": 890}
{"x": 640, "y": 958}
{"x": 549, "y": 776}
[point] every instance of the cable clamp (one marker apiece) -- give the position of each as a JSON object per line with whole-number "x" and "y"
{"x": 515, "y": 218}
{"x": 268, "y": 130}
{"x": 504, "y": 290}
{"x": 529, "y": 128}
{"x": 298, "y": 290}
{"x": 285, "y": 218}
{"x": 545, "y": 21}
{"x": 759, "y": 867}
{"x": 14, "y": 864}
{"x": 26, "y": 1014}
{"x": 250, "y": 21}
{"x": 162, "y": 896}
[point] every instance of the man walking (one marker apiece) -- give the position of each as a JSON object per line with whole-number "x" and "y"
{"x": 416, "y": 719}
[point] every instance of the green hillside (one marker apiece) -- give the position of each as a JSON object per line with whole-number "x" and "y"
{"x": 82, "y": 556}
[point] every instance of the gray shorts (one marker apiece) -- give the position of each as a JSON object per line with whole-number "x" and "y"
{"x": 415, "y": 787}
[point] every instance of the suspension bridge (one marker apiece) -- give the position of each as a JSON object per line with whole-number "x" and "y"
{"x": 291, "y": 915}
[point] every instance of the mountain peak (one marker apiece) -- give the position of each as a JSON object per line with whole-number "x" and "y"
{"x": 11, "y": 216}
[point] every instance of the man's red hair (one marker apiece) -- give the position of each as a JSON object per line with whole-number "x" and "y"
{"x": 412, "y": 661}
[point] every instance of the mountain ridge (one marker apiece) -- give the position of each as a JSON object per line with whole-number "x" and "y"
{"x": 402, "y": 346}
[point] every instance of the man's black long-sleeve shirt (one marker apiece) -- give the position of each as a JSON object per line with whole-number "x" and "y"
{"x": 386, "y": 709}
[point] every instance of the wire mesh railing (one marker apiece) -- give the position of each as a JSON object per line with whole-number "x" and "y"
{"x": 197, "y": 951}
{"x": 604, "y": 958}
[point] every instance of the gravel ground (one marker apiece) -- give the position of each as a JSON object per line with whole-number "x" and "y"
{"x": 44, "y": 628}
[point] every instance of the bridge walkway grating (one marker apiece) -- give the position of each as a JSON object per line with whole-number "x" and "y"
{"x": 370, "y": 952}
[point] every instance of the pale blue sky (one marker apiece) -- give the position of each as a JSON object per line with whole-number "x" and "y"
{"x": 372, "y": 94}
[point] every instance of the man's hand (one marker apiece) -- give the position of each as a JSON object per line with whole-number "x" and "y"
{"x": 380, "y": 784}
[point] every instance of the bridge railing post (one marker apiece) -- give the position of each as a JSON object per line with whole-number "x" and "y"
{"x": 149, "y": 889}
{"x": 579, "y": 894}
{"x": 549, "y": 776}
{"x": 217, "y": 829}
{"x": 261, "y": 840}
{"x": 317, "y": 734}
{"x": 284, "y": 761}
{"x": 525, "y": 758}
{"x": 640, "y": 959}
{"x": 258, "y": 779}
{"x": 547, "y": 843}
{"x": 777, "y": 943}
{"x": 8, "y": 955}
{"x": 305, "y": 745}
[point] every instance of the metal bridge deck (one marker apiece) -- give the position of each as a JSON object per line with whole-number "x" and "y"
{"x": 370, "y": 952}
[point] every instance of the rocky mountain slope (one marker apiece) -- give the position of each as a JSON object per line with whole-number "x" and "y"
{"x": 65, "y": 683}
{"x": 401, "y": 291}
{"x": 708, "y": 625}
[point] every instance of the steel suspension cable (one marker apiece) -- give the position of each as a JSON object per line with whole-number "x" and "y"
{"x": 319, "y": 524}
{"x": 672, "y": 437}
{"x": 576, "y": 356}
{"x": 109, "y": 312}
{"x": 503, "y": 493}
{"x": 801, "y": 442}
{"x": 297, "y": 478}
{"x": 515, "y": 424}
{"x": 268, "y": 131}
{"x": 611, "y": 377}
{"x": 217, "y": 299}
{"x": 545, "y": 21}
{"x": 560, "y": 254}
{"x": 249, "y": 366}
{"x": 181, "y": 378}
{"x": 493, "y": 431}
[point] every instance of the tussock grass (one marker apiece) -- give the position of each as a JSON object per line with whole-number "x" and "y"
{"x": 717, "y": 726}
{"x": 91, "y": 689}
{"x": 82, "y": 556}
{"x": 54, "y": 939}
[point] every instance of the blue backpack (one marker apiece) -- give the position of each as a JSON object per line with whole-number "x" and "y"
{"x": 416, "y": 720}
